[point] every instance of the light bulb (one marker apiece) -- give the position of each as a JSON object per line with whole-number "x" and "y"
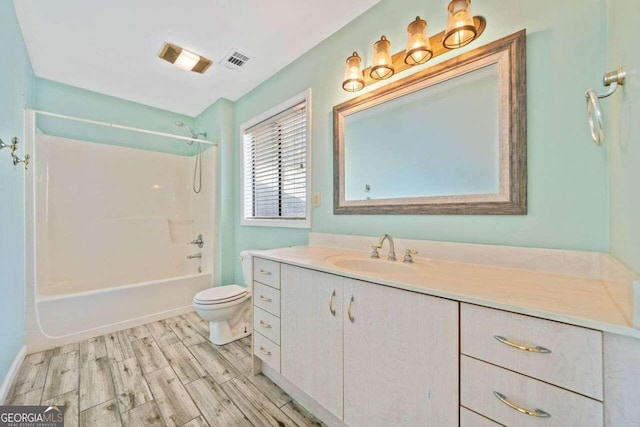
{"x": 353, "y": 80}
{"x": 187, "y": 60}
{"x": 418, "y": 50}
{"x": 382, "y": 67}
{"x": 460, "y": 26}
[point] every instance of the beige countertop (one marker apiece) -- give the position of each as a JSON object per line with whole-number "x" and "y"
{"x": 602, "y": 304}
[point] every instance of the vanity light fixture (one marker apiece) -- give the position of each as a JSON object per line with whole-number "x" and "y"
{"x": 460, "y": 26}
{"x": 184, "y": 59}
{"x": 462, "y": 29}
{"x": 418, "y": 49}
{"x": 382, "y": 64}
{"x": 353, "y": 80}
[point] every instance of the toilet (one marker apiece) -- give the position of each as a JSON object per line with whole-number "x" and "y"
{"x": 227, "y": 308}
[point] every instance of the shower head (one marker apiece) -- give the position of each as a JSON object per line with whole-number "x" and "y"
{"x": 194, "y": 134}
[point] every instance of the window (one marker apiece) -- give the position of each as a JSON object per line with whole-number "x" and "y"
{"x": 276, "y": 166}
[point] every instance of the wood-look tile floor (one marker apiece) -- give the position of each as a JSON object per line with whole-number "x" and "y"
{"x": 165, "y": 373}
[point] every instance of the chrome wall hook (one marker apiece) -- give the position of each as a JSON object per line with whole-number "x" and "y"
{"x": 612, "y": 80}
{"x": 17, "y": 160}
{"x": 13, "y": 146}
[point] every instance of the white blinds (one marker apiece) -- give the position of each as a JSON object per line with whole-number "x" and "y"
{"x": 275, "y": 166}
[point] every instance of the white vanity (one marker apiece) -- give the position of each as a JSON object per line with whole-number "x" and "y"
{"x": 447, "y": 343}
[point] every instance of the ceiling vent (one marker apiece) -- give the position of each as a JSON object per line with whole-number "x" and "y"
{"x": 235, "y": 60}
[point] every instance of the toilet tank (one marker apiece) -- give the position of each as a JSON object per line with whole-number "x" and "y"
{"x": 246, "y": 261}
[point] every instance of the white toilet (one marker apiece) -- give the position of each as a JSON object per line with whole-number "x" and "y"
{"x": 227, "y": 308}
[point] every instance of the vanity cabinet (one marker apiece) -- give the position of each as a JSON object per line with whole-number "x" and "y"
{"x": 400, "y": 357}
{"x": 357, "y": 353}
{"x": 525, "y": 371}
{"x": 266, "y": 312}
{"x": 371, "y": 355}
{"x": 311, "y": 334}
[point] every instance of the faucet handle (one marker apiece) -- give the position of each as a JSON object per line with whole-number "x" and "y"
{"x": 407, "y": 255}
{"x": 374, "y": 252}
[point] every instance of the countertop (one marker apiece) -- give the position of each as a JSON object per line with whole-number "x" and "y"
{"x": 602, "y": 304}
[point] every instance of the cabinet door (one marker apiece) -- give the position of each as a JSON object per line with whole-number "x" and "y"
{"x": 311, "y": 334}
{"x": 400, "y": 357}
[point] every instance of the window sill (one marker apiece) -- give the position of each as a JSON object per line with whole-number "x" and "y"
{"x": 287, "y": 223}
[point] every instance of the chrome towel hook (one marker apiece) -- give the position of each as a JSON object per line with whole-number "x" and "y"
{"x": 14, "y": 147}
{"x": 25, "y": 160}
{"x": 611, "y": 80}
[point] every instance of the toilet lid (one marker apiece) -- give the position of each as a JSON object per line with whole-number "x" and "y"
{"x": 220, "y": 294}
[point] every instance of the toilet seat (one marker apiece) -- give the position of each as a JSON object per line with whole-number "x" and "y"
{"x": 220, "y": 295}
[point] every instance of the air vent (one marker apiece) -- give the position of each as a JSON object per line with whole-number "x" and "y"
{"x": 235, "y": 60}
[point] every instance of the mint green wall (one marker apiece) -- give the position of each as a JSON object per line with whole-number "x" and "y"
{"x": 623, "y": 132}
{"x": 72, "y": 101}
{"x": 16, "y": 92}
{"x": 566, "y": 54}
{"x": 217, "y": 120}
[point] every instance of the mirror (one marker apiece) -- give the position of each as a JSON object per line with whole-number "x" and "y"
{"x": 447, "y": 140}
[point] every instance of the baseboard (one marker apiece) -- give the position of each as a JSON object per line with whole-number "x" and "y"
{"x": 12, "y": 374}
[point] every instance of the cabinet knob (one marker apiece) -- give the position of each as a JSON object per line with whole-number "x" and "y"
{"x": 265, "y": 299}
{"x": 265, "y": 272}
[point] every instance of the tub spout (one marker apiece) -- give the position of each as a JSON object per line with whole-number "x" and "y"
{"x": 198, "y": 255}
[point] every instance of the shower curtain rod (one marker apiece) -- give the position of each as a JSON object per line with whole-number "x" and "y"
{"x": 115, "y": 126}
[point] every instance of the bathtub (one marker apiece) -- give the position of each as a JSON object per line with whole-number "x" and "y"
{"x": 108, "y": 234}
{"x": 61, "y": 319}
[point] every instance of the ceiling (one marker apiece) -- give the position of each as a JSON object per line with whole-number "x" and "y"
{"x": 112, "y": 47}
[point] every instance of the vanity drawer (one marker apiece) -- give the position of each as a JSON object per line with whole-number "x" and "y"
{"x": 267, "y": 324}
{"x": 574, "y": 361}
{"x": 266, "y": 272}
{"x": 266, "y": 298}
{"x": 471, "y": 419}
{"x": 480, "y": 380}
{"x": 266, "y": 350}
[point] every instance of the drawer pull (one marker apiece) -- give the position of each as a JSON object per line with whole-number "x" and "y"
{"x": 349, "y": 313}
{"x": 331, "y": 309}
{"x": 535, "y": 413}
{"x": 265, "y": 351}
{"x": 265, "y": 325}
{"x": 538, "y": 349}
{"x": 265, "y": 299}
{"x": 266, "y": 272}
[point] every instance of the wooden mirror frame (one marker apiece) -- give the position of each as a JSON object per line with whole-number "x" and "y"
{"x": 509, "y": 54}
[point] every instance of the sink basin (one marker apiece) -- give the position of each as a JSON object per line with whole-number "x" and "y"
{"x": 376, "y": 266}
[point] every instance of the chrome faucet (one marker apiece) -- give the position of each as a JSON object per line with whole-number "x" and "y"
{"x": 391, "y": 256}
{"x": 198, "y": 255}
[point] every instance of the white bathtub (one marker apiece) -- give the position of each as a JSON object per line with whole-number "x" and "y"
{"x": 61, "y": 319}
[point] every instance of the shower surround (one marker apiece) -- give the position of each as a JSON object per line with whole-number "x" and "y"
{"x": 111, "y": 236}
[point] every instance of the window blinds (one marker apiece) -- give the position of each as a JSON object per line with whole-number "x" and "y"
{"x": 275, "y": 166}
